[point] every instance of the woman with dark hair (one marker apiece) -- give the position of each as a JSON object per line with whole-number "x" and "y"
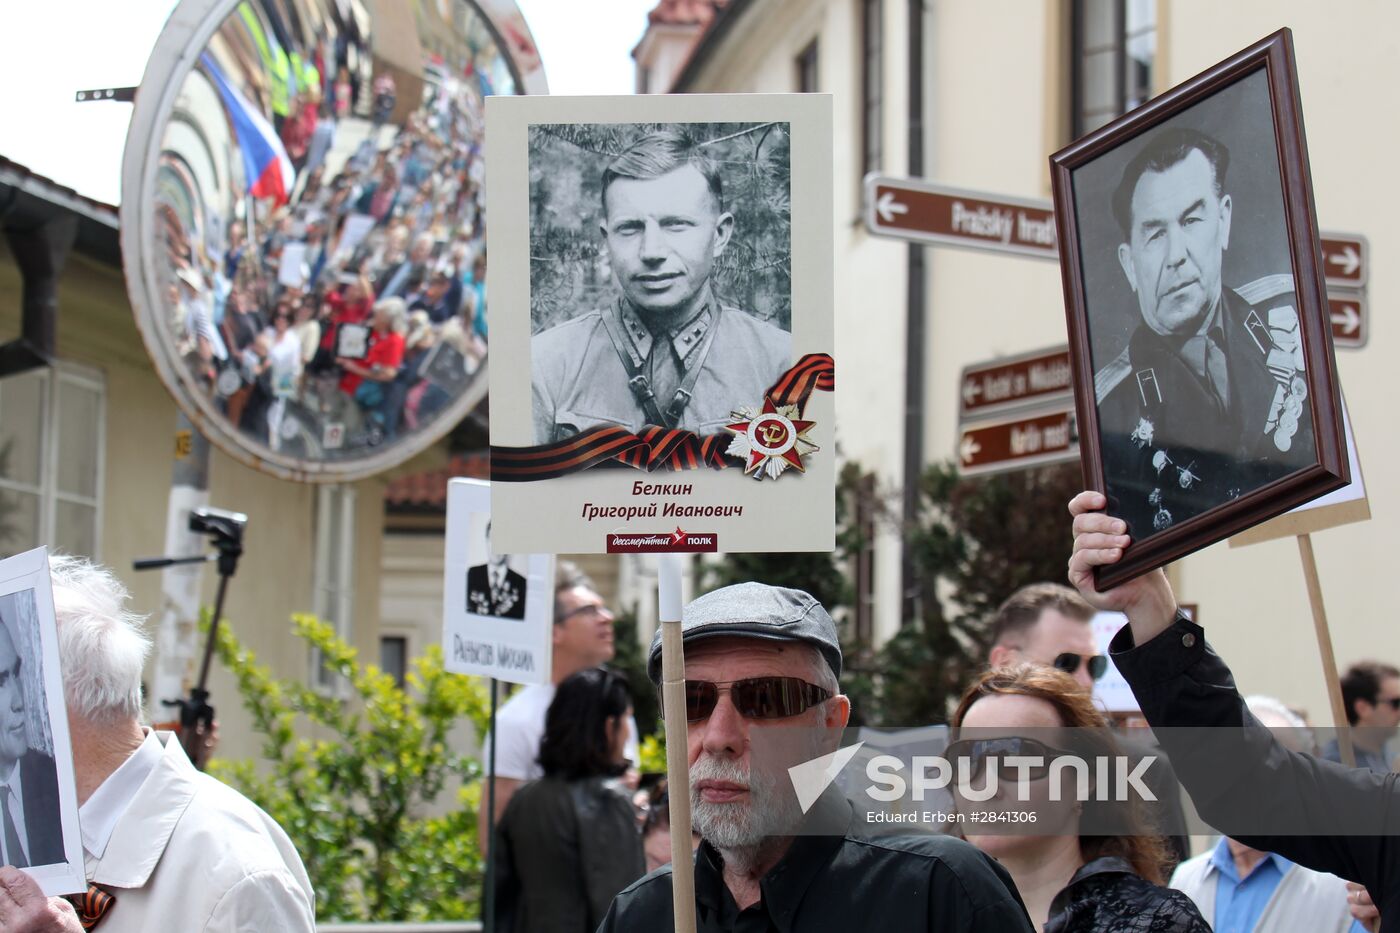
{"x": 1071, "y": 881}
{"x": 568, "y": 843}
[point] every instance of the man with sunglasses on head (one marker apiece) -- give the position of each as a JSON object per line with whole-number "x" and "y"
{"x": 762, "y": 696}
{"x": 1371, "y": 694}
{"x": 1050, "y": 624}
{"x": 583, "y": 638}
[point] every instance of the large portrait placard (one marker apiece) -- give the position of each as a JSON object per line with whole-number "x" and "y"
{"x": 1199, "y": 330}
{"x": 661, "y": 323}
{"x": 40, "y": 818}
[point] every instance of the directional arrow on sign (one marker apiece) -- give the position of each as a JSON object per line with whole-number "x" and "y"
{"x": 888, "y": 208}
{"x": 1349, "y": 259}
{"x": 1349, "y": 320}
{"x": 1345, "y": 261}
{"x": 970, "y": 391}
{"x": 968, "y": 449}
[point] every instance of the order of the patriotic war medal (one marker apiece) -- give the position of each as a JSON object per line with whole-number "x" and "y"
{"x": 771, "y": 440}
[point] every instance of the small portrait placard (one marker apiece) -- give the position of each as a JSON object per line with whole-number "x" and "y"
{"x": 498, "y": 608}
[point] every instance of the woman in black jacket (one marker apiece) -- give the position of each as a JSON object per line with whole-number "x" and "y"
{"x": 569, "y": 842}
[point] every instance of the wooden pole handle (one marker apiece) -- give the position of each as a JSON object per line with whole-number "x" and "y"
{"x": 677, "y": 763}
{"x": 1324, "y": 650}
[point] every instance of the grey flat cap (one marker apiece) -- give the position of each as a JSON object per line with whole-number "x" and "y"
{"x": 755, "y": 610}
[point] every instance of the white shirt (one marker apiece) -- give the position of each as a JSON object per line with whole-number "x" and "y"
{"x": 114, "y": 796}
{"x": 520, "y": 723}
{"x": 16, "y": 805}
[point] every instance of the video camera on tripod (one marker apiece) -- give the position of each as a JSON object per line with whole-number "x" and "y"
{"x": 225, "y": 530}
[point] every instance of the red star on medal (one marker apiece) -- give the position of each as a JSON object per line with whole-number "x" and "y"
{"x": 771, "y": 440}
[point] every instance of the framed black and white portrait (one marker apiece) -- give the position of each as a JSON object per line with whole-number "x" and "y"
{"x": 1205, "y": 380}
{"x": 39, "y": 829}
{"x": 661, "y": 268}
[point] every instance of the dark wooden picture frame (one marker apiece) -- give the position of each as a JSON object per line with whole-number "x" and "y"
{"x": 1222, "y": 97}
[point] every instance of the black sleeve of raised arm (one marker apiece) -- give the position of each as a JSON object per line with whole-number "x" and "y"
{"x": 1247, "y": 784}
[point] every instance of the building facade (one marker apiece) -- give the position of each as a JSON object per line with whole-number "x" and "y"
{"x": 980, "y": 94}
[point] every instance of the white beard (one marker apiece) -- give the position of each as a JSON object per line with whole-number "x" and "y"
{"x": 736, "y": 828}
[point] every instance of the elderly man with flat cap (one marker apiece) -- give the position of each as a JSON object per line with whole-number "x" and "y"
{"x": 760, "y": 658}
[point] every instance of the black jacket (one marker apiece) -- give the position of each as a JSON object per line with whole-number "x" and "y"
{"x": 1169, "y": 452}
{"x": 1106, "y": 896}
{"x": 39, "y": 785}
{"x": 841, "y": 883}
{"x": 563, "y": 850}
{"x": 507, "y": 603}
{"x": 1340, "y": 820}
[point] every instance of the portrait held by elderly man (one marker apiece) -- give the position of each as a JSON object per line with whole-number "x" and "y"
{"x": 660, "y": 273}
{"x": 30, "y": 813}
{"x": 1205, "y": 341}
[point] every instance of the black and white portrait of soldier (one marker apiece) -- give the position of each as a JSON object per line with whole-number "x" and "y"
{"x": 662, "y": 343}
{"x": 30, "y": 823}
{"x": 493, "y": 588}
{"x": 1205, "y": 397}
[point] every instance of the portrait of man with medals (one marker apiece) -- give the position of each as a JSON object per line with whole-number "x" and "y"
{"x": 1208, "y": 401}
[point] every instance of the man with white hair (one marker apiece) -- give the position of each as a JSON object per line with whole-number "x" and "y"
{"x": 1238, "y": 887}
{"x": 165, "y": 847}
{"x": 760, "y": 658}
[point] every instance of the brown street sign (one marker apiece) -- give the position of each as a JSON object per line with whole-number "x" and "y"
{"x": 1351, "y": 324}
{"x": 911, "y": 209}
{"x": 1346, "y": 259}
{"x": 1016, "y": 443}
{"x": 1014, "y": 381}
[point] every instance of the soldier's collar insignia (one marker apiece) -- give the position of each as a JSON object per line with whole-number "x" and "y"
{"x": 770, "y": 440}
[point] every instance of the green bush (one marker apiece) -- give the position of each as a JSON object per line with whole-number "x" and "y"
{"x": 353, "y": 803}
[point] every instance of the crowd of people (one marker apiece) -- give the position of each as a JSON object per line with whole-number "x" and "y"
{"x": 577, "y": 846}
{"x": 351, "y": 309}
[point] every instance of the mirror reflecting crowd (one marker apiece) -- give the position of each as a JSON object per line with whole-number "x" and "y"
{"x": 336, "y": 300}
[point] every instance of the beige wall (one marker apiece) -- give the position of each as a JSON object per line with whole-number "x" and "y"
{"x": 96, "y": 329}
{"x": 996, "y": 98}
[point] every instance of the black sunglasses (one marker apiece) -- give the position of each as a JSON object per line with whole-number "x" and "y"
{"x": 978, "y": 751}
{"x": 1069, "y": 663}
{"x": 1392, "y": 702}
{"x": 754, "y": 698}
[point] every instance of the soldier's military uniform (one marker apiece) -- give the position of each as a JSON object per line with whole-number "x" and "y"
{"x": 1175, "y": 446}
{"x": 606, "y": 368}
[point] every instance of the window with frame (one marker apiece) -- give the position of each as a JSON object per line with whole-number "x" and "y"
{"x": 807, "y": 69}
{"x": 393, "y": 657}
{"x": 872, "y": 40}
{"x": 52, "y": 441}
{"x": 1114, "y": 46}
{"x": 333, "y": 574}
